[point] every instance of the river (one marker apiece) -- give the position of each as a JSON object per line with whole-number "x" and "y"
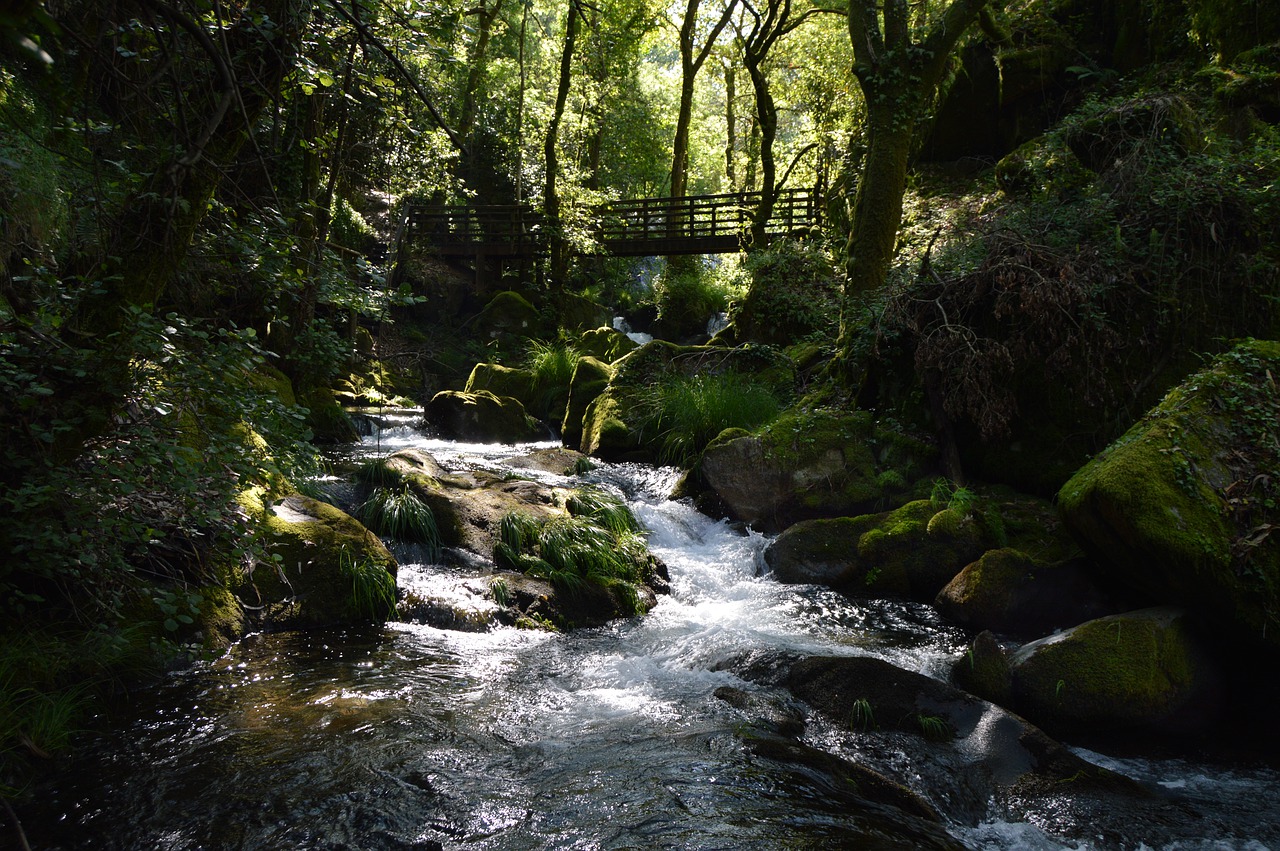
{"x": 411, "y": 736}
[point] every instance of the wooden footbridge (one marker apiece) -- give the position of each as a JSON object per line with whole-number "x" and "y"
{"x": 648, "y": 227}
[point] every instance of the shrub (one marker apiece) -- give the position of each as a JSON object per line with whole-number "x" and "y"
{"x": 552, "y": 365}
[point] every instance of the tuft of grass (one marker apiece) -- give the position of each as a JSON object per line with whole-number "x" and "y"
{"x": 402, "y": 516}
{"x": 685, "y": 413}
{"x": 604, "y": 508}
{"x": 373, "y": 590}
{"x": 861, "y": 716}
{"x": 375, "y": 473}
{"x": 552, "y": 365}
{"x": 595, "y": 547}
{"x": 934, "y": 728}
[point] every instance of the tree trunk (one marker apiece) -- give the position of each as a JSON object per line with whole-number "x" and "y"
{"x": 767, "y": 121}
{"x": 551, "y": 197}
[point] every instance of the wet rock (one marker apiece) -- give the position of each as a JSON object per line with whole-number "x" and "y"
{"x": 1010, "y": 592}
{"x": 812, "y": 464}
{"x": 1176, "y": 509}
{"x": 482, "y": 417}
{"x": 910, "y": 552}
{"x": 1011, "y": 751}
{"x": 766, "y": 712}
{"x": 1143, "y": 671}
{"x": 470, "y": 507}
{"x": 984, "y": 670}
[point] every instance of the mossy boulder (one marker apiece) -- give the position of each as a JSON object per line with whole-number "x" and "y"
{"x": 613, "y": 426}
{"x": 579, "y": 312}
{"x": 482, "y": 416}
{"x": 1165, "y": 122}
{"x": 1143, "y": 671}
{"x": 1010, "y": 592}
{"x": 326, "y": 418}
{"x": 501, "y": 381}
{"x": 814, "y": 463}
{"x": 511, "y": 314}
{"x": 605, "y": 344}
{"x": 1182, "y": 507}
{"x": 590, "y": 378}
{"x": 320, "y": 562}
{"x": 911, "y": 552}
{"x": 793, "y": 294}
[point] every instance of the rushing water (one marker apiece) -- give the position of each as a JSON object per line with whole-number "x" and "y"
{"x": 410, "y": 736}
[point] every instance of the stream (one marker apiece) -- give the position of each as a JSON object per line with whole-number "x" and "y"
{"x": 410, "y": 736}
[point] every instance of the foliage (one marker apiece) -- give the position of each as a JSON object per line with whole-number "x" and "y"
{"x": 552, "y": 365}
{"x": 373, "y": 589}
{"x": 793, "y": 294}
{"x": 401, "y": 515}
{"x": 692, "y": 292}
{"x": 686, "y": 412}
{"x": 1094, "y": 283}
{"x": 594, "y": 545}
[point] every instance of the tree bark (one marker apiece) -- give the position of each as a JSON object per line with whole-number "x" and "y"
{"x": 551, "y": 197}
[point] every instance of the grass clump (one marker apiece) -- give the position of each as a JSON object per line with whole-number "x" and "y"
{"x": 402, "y": 516}
{"x": 373, "y": 589}
{"x": 597, "y": 544}
{"x": 552, "y": 364}
{"x": 685, "y": 413}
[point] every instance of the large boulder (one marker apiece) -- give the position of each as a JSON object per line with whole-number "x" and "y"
{"x": 911, "y": 552}
{"x": 501, "y": 381}
{"x": 969, "y": 734}
{"x": 1010, "y": 592}
{"x": 321, "y": 566}
{"x": 614, "y": 424}
{"x": 509, "y": 314}
{"x": 1183, "y": 507}
{"x": 812, "y": 463}
{"x": 605, "y": 344}
{"x": 482, "y": 416}
{"x": 590, "y": 378}
{"x": 1143, "y": 672}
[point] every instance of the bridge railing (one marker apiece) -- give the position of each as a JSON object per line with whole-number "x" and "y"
{"x": 514, "y": 230}
{"x": 695, "y": 224}
{"x": 702, "y": 217}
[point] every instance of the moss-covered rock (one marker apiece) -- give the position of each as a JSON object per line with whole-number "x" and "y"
{"x": 501, "y": 381}
{"x": 590, "y": 378}
{"x": 1010, "y": 592}
{"x": 605, "y": 344}
{"x": 509, "y": 313}
{"x": 814, "y": 463}
{"x": 1182, "y": 507}
{"x": 984, "y": 670}
{"x": 1141, "y": 671}
{"x": 911, "y": 552}
{"x": 579, "y": 312}
{"x": 322, "y": 567}
{"x": 326, "y": 418}
{"x": 1141, "y": 125}
{"x": 482, "y": 416}
{"x": 613, "y": 426}
{"x": 793, "y": 294}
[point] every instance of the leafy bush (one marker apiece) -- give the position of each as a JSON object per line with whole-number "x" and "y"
{"x": 688, "y": 293}
{"x": 687, "y": 412}
{"x": 793, "y": 293}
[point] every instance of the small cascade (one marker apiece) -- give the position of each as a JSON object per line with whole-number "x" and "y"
{"x": 452, "y": 730}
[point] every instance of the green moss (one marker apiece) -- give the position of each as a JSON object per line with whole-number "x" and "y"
{"x": 501, "y": 381}
{"x": 1176, "y": 505}
{"x": 605, "y": 344}
{"x": 590, "y": 378}
{"x": 604, "y": 431}
{"x": 1138, "y": 670}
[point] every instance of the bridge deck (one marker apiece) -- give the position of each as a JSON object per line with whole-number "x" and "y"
{"x": 702, "y": 224}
